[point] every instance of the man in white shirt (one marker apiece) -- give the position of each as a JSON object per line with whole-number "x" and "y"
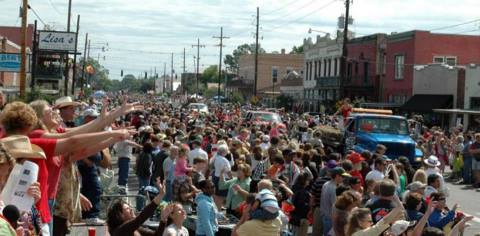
{"x": 377, "y": 173}
{"x": 221, "y": 164}
{"x": 197, "y": 152}
{"x": 265, "y": 143}
{"x": 432, "y": 163}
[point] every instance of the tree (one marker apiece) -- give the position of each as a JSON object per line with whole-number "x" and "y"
{"x": 98, "y": 79}
{"x": 210, "y": 74}
{"x": 285, "y": 101}
{"x": 231, "y": 61}
{"x": 297, "y": 50}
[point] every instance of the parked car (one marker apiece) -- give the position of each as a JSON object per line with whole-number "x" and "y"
{"x": 262, "y": 117}
{"x": 199, "y": 107}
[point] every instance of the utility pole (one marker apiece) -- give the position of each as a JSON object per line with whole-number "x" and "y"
{"x": 164, "y": 76}
{"x": 198, "y": 46}
{"x": 343, "y": 62}
{"x": 74, "y": 74}
{"x": 220, "y": 61}
{"x": 182, "y": 80}
{"x": 23, "y": 50}
{"x": 82, "y": 80}
{"x": 88, "y": 52}
{"x": 33, "y": 59}
{"x": 171, "y": 76}
{"x": 67, "y": 70}
{"x": 184, "y": 68}
{"x": 256, "y": 55}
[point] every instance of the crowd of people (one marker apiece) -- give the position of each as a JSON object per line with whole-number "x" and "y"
{"x": 274, "y": 178}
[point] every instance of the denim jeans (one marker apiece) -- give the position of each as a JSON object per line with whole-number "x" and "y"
{"x": 168, "y": 191}
{"x": 142, "y": 182}
{"x": 51, "y": 206}
{"x": 123, "y": 167}
{"x": 92, "y": 191}
{"x": 467, "y": 169}
{"x": 327, "y": 224}
{"x": 262, "y": 214}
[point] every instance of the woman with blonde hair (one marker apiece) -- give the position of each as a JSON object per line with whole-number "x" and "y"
{"x": 360, "y": 222}
{"x": 420, "y": 176}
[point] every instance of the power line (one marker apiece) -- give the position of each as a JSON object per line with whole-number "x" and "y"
{"x": 303, "y": 17}
{"x": 55, "y": 8}
{"x": 294, "y": 11}
{"x": 280, "y": 8}
{"x": 456, "y": 25}
{"x": 34, "y": 12}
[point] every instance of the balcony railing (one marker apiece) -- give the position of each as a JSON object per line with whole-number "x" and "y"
{"x": 50, "y": 72}
{"x": 328, "y": 81}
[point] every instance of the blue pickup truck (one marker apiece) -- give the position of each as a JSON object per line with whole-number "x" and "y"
{"x": 365, "y": 131}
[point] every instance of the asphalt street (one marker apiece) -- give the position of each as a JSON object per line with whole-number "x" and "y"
{"x": 469, "y": 200}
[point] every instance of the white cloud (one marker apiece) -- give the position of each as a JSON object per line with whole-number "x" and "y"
{"x": 170, "y": 25}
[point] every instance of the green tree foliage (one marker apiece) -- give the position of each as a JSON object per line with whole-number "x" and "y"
{"x": 237, "y": 97}
{"x": 297, "y": 50}
{"x": 99, "y": 79}
{"x": 231, "y": 61}
{"x": 284, "y": 101}
{"x": 210, "y": 75}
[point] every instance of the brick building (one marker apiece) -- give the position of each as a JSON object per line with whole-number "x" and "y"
{"x": 405, "y": 50}
{"x": 268, "y": 64}
{"x": 365, "y": 67}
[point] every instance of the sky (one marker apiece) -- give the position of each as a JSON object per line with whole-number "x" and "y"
{"x": 142, "y": 34}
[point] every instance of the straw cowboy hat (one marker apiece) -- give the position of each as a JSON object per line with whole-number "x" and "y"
{"x": 65, "y": 102}
{"x": 19, "y": 146}
{"x": 432, "y": 161}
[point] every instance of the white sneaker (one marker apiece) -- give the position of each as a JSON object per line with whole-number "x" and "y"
{"x": 94, "y": 221}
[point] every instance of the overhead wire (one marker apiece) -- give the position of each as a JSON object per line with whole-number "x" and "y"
{"x": 35, "y": 13}
{"x": 455, "y": 25}
{"x": 55, "y": 8}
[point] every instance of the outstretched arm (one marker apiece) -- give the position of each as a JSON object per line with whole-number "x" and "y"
{"x": 83, "y": 141}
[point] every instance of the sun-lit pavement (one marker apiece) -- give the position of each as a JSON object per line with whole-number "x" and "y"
{"x": 469, "y": 200}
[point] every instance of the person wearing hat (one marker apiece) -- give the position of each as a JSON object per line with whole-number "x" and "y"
{"x": 265, "y": 145}
{"x": 356, "y": 160}
{"x": 328, "y": 197}
{"x": 67, "y": 108}
{"x": 432, "y": 163}
{"x": 19, "y": 118}
{"x": 15, "y": 151}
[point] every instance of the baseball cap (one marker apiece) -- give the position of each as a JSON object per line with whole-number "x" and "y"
{"x": 414, "y": 186}
{"x": 339, "y": 171}
{"x": 331, "y": 164}
{"x": 355, "y": 158}
{"x": 401, "y": 226}
{"x": 90, "y": 112}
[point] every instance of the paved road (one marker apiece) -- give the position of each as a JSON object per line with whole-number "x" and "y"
{"x": 469, "y": 200}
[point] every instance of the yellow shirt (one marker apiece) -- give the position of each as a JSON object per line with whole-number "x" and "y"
{"x": 260, "y": 228}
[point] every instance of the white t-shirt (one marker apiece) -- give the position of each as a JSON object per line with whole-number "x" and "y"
{"x": 221, "y": 163}
{"x": 173, "y": 230}
{"x": 375, "y": 175}
{"x": 197, "y": 153}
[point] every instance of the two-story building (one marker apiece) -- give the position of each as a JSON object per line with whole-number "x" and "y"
{"x": 321, "y": 79}
{"x": 270, "y": 66}
{"x": 407, "y": 49}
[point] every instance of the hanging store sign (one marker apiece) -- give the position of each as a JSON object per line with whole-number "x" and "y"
{"x": 10, "y": 62}
{"x": 56, "y": 41}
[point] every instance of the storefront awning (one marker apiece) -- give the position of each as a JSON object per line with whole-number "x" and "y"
{"x": 426, "y": 103}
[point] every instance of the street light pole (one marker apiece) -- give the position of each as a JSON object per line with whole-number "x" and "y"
{"x": 23, "y": 50}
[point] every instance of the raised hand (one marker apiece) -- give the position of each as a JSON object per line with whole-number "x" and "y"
{"x": 34, "y": 191}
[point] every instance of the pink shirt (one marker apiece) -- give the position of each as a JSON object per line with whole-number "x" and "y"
{"x": 180, "y": 167}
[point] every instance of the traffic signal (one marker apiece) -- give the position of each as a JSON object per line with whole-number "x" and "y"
{"x": 121, "y": 73}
